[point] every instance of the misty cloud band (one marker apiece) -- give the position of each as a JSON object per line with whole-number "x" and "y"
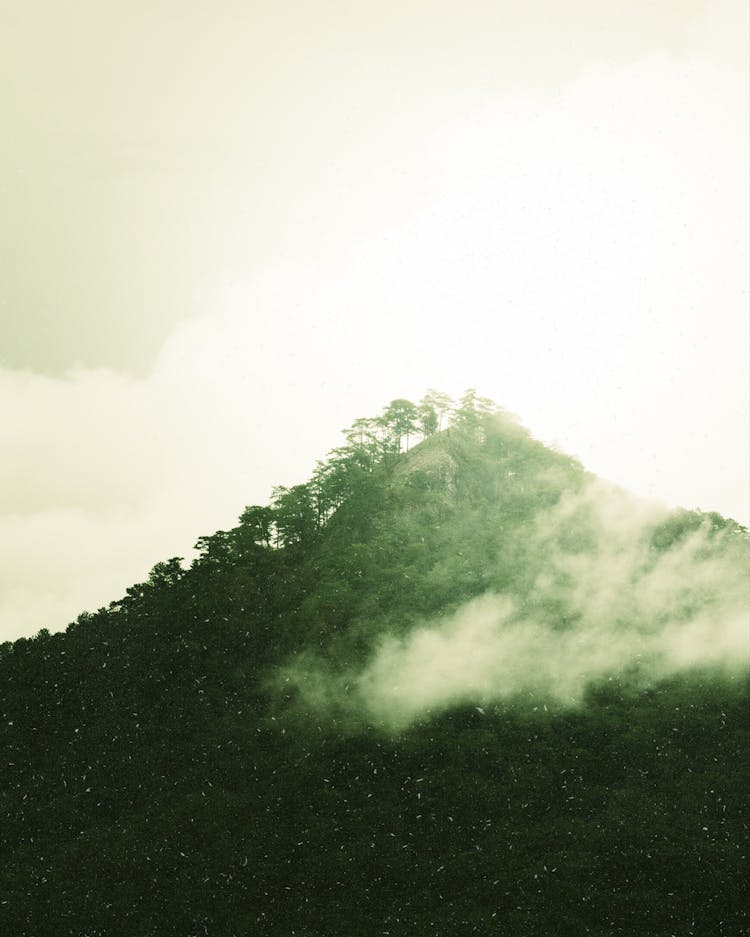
{"x": 612, "y": 604}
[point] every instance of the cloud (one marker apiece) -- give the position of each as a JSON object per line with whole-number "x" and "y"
{"x": 103, "y": 474}
{"x": 605, "y": 602}
{"x": 594, "y": 291}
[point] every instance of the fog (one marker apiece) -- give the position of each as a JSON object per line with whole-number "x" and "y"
{"x": 604, "y": 603}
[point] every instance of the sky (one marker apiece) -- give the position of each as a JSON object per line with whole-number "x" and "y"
{"x": 229, "y": 229}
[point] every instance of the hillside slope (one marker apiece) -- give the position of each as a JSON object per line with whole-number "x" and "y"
{"x": 462, "y": 689}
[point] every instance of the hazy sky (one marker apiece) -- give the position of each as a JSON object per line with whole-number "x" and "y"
{"x": 227, "y": 229}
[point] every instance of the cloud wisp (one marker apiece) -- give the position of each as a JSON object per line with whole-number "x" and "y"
{"x": 614, "y": 603}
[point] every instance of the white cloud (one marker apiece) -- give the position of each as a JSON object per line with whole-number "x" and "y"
{"x": 627, "y": 608}
{"x": 583, "y": 263}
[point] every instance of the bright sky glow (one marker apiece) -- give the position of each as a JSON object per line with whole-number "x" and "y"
{"x": 203, "y": 288}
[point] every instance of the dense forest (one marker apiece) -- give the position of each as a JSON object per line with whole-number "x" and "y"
{"x": 453, "y": 684}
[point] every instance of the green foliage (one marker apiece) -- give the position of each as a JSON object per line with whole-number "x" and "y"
{"x": 161, "y": 777}
{"x": 399, "y": 421}
{"x": 294, "y": 513}
{"x": 257, "y": 521}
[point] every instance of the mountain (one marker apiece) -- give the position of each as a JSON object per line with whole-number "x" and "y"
{"x": 466, "y": 688}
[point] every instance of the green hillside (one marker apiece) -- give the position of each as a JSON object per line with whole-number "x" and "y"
{"x": 453, "y": 684}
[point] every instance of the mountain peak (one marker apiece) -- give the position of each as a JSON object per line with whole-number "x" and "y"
{"x": 452, "y": 677}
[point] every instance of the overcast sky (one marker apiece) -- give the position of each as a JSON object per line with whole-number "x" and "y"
{"x": 228, "y": 229}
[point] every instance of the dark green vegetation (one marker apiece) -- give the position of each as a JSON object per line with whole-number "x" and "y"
{"x": 160, "y": 776}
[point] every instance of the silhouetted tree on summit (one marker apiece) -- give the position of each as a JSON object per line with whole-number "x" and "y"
{"x": 440, "y": 402}
{"x": 400, "y": 421}
{"x": 427, "y": 418}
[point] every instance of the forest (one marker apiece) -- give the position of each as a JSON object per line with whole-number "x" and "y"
{"x": 452, "y": 684}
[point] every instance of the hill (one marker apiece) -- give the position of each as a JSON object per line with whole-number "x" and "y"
{"x": 447, "y": 688}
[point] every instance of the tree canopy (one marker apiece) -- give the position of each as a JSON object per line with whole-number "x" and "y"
{"x": 189, "y": 760}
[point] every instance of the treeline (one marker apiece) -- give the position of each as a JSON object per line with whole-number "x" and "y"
{"x": 372, "y": 444}
{"x": 353, "y": 474}
{"x": 155, "y": 748}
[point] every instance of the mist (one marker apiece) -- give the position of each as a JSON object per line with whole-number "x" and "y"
{"x": 606, "y": 600}
{"x": 600, "y": 294}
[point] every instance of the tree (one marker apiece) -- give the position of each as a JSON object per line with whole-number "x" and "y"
{"x": 257, "y": 520}
{"x": 440, "y": 402}
{"x": 427, "y": 417}
{"x": 362, "y": 438}
{"x": 400, "y": 420}
{"x": 216, "y": 548}
{"x": 294, "y": 513}
{"x": 166, "y": 573}
{"x": 472, "y": 409}
{"x": 329, "y": 486}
